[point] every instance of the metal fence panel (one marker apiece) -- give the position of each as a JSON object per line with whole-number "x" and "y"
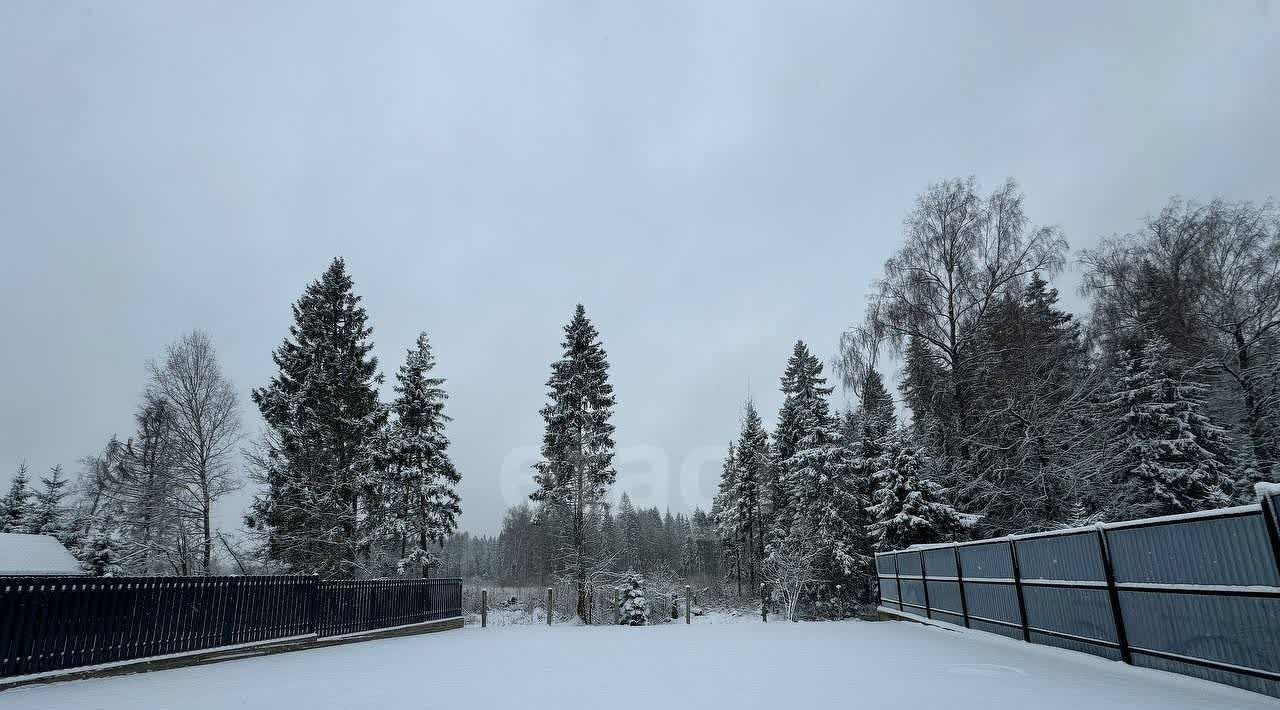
{"x": 940, "y": 562}
{"x": 909, "y": 563}
{"x": 912, "y": 592}
{"x": 1238, "y": 630}
{"x": 1222, "y": 551}
{"x": 889, "y": 589}
{"x": 992, "y": 602}
{"x": 1079, "y": 612}
{"x": 884, "y": 565}
{"x": 988, "y": 561}
{"x": 945, "y": 596}
{"x": 1198, "y": 595}
{"x": 1075, "y": 557}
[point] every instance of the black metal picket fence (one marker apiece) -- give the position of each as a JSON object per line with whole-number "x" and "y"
{"x": 56, "y": 623}
{"x": 1196, "y": 594}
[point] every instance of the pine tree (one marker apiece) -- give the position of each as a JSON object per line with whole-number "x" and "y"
{"x": 576, "y": 469}
{"x": 102, "y": 556}
{"x": 324, "y": 417}
{"x": 725, "y": 512}
{"x": 752, "y": 471}
{"x": 688, "y": 557}
{"x": 629, "y": 530}
{"x": 823, "y": 505}
{"x": 804, "y": 411}
{"x": 634, "y": 608}
{"x": 907, "y": 508}
{"x": 420, "y": 498}
{"x": 1168, "y": 456}
{"x": 876, "y": 417}
{"x": 15, "y": 507}
{"x": 50, "y": 516}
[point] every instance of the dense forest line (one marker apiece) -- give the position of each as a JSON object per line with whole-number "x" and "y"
{"x": 1010, "y": 415}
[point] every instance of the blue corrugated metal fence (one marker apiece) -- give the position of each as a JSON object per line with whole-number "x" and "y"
{"x": 1197, "y": 594}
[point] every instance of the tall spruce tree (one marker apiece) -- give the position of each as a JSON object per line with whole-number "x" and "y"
{"x": 1167, "y": 454}
{"x": 752, "y": 469}
{"x": 804, "y": 410}
{"x": 15, "y": 507}
{"x": 324, "y": 416}
{"x": 420, "y": 499}
{"x": 724, "y": 511}
{"x": 823, "y": 505}
{"x": 576, "y": 469}
{"x": 50, "y": 515}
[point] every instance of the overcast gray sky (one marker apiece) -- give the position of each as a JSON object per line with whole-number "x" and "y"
{"x": 713, "y": 180}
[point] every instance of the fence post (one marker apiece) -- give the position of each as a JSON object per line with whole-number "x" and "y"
{"x": 551, "y": 595}
{"x": 897, "y": 580}
{"x": 1117, "y": 616}
{"x": 924, "y": 584}
{"x": 1017, "y": 583}
{"x": 764, "y": 608}
{"x": 1273, "y": 528}
{"x": 484, "y": 608}
{"x": 313, "y": 604}
{"x": 964, "y": 603}
{"x": 687, "y": 612}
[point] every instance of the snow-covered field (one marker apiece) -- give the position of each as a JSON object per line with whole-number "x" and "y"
{"x": 748, "y": 664}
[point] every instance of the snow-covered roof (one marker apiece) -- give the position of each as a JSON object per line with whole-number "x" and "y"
{"x": 31, "y": 555}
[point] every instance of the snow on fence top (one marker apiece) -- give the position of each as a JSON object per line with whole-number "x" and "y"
{"x": 35, "y": 555}
{"x": 1140, "y": 522}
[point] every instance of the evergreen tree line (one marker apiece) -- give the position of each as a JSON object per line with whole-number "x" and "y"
{"x": 1020, "y": 416}
{"x": 349, "y": 486}
{"x": 643, "y": 540}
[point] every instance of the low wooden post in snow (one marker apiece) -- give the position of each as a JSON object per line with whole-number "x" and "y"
{"x": 764, "y": 608}
{"x": 687, "y": 605}
{"x": 551, "y": 597}
{"x": 484, "y": 608}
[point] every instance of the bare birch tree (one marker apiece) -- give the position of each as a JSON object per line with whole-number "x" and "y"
{"x": 205, "y": 417}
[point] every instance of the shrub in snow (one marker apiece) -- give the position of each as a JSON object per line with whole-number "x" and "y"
{"x": 634, "y": 608}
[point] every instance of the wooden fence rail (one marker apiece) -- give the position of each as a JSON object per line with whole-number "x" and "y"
{"x": 56, "y": 623}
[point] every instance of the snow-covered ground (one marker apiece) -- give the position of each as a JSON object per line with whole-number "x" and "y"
{"x": 852, "y": 664}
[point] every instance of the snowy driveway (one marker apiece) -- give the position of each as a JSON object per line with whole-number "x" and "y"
{"x": 780, "y": 666}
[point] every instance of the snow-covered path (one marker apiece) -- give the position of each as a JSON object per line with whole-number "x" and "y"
{"x": 853, "y": 664}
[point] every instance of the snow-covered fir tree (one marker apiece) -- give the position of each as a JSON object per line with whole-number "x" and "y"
{"x": 633, "y": 609}
{"x": 876, "y": 419}
{"x": 15, "y": 506}
{"x": 419, "y": 500}
{"x": 101, "y": 556}
{"x": 49, "y": 515}
{"x": 1167, "y": 455}
{"x": 823, "y": 503}
{"x": 576, "y": 469}
{"x": 751, "y": 465}
{"x": 804, "y": 409}
{"x": 908, "y": 509}
{"x": 323, "y": 415}
{"x": 688, "y": 557}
